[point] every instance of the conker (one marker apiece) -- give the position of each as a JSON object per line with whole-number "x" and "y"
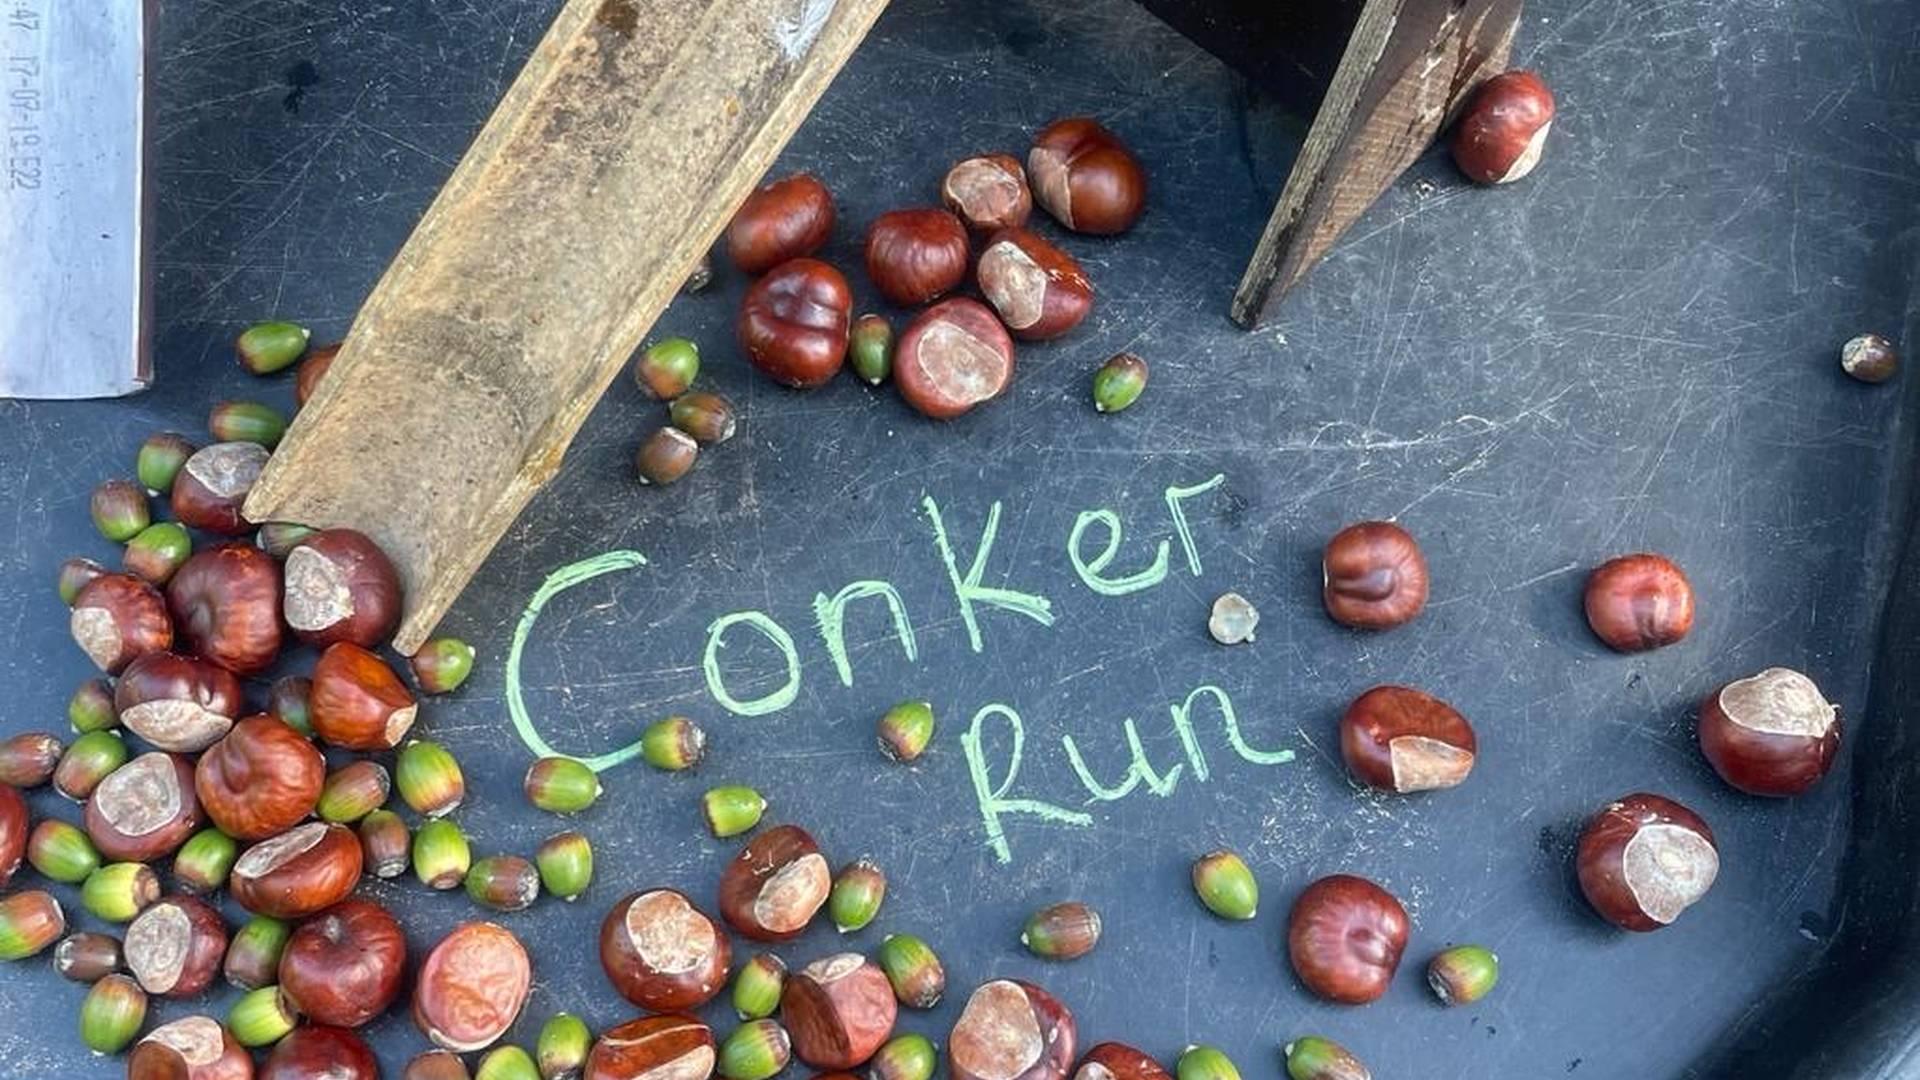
{"x": 1118, "y": 1061}
{"x": 1770, "y": 734}
{"x": 783, "y": 220}
{"x": 772, "y": 890}
{"x": 175, "y": 946}
{"x": 653, "y": 1048}
{"x": 662, "y": 953}
{"x": 314, "y": 1052}
{"x": 1498, "y": 137}
{"x": 1403, "y": 740}
{"x": 340, "y": 587}
{"x": 1011, "y": 1030}
{"x": 838, "y": 1011}
{"x": 306, "y": 869}
{"x": 226, "y": 604}
{"x": 357, "y": 701}
{"x": 194, "y": 1048}
{"x": 306, "y": 379}
{"x": 1086, "y": 177}
{"x": 1870, "y": 358}
{"x": 1345, "y": 936}
{"x": 1639, "y": 602}
{"x": 471, "y": 987}
{"x": 178, "y": 703}
{"x": 916, "y": 255}
{"x": 213, "y": 485}
{"x": 1375, "y": 577}
{"x": 343, "y": 966}
{"x": 988, "y": 192}
{"x": 15, "y": 825}
{"x": 954, "y": 356}
{"x": 1644, "y": 859}
{"x": 793, "y": 323}
{"x": 144, "y": 809}
{"x": 116, "y": 619}
{"x": 1038, "y": 289}
{"x": 262, "y": 779}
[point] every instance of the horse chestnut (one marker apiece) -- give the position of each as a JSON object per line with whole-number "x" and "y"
{"x": 306, "y": 379}
{"x": 772, "y": 890}
{"x": 317, "y": 1052}
{"x": 793, "y": 323}
{"x": 953, "y": 357}
{"x": 194, "y": 1048}
{"x": 1011, "y": 1030}
{"x": 1500, "y": 133}
{"x": 343, "y": 966}
{"x": 782, "y": 220}
{"x": 144, "y": 809}
{"x": 653, "y": 1048}
{"x": 1118, "y": 1061}
{"x": 340, "y": 587}
{"x": 306, "y": 869}
{"x": 1086, "y": 177}
{"x": 178, "y": 703}
{"x": 662, "y": 953}
{"x": 1403, "y": 740}
{"x": 838, "y": 1011}
{"x": 988, "y": 192}
{"x": 1345, "y": 936}
{"x": 213, "y": 485}
{"x": 1038, "y": 289}
{"x": 116, "y": 619}
{"x": 262, "y": 779}
{"x": 916, "y": 255}
{"x": 357, "y": 702}
{"x": 1374, "y": 576}
{"x": 1639, "y": 602}
{"x": 226, "y": 604}
{"x": 471, "y": 987}
{"x": 1770, "y": 734}
{"x": 174, "y": 948}
{"x": 1644, "y": 859}
{"x": 15, "y": 825}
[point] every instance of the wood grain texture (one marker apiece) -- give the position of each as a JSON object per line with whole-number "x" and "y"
{"x": 612, "y": 163}
{"x": 1408, "y": 65}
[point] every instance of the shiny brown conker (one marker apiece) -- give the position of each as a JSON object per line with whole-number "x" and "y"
{"x": 261, "y": 780}
{"x": 1638, "y": 602}
{"x": 988, "y": 192}
{"x": 306, "y": 379}
{"x": 1011, "y": 1030}
{"x": 144, "y": 809}
{"x": 916, "y": 255}
{"x": 343, "y": 966}
{"x": 671, "y": 1047}
{"x": 15, "y": 827}
{"x": 178, "y": 703}
{"x": 339, "y": 586}
{"x": 954, "y": 356}
{"x": 116, "y": 619}
{"x": 1773, "y": 733}
{"x": 357, "y": 701}
{"x": 304, "y": 870}
{"x": 226, "y": 606}
{"x": 1039, "y": 291}
{"x": 662, "y": 953}
{"x": 213, "y": 485}
{"x": 175, "y": 946}
{"x": 1644, "y": 859}
{"x": 772, "y": 890}
{"x": 1086, "y": 177}
{"x": 472, "y": 986}
{"x": 192, "y": 1048}
{"x": 1118, "y": 1061}
{"x": 1344, "y": 937}
{"x": 1500, "y": 133}
{"x": 782, "y": 220}
{"x": 1375, "y": 577}
{"x": 1401, "y": 739}
{"x": 793, "y": 323}
{"x": 838, "y": 1011}
{"x": 319, "y": 1052}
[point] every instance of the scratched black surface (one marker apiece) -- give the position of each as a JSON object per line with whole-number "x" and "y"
{"x": 1633, "y": 349}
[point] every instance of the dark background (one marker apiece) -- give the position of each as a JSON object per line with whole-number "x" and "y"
{"x": 1633, "y": 349}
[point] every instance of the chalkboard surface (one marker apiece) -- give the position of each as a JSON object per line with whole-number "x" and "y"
{"x": 1633, "y": 349}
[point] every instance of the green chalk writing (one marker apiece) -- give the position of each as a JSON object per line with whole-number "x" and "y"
{"x": 1183, "y": 723}
{"x": 1138, "y": 772}
{"x": 558, "y": 582}
{"x": 1090, "y": 570}
{"x": 968, "y": 590}
{"x": 993, "y": 798}
{"x": 831, "y": 616}
{"x": 774, "y": 632}
{"x": 1175, "y": 496}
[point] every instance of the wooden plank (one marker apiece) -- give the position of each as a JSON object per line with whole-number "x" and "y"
{"x": 1408, "y": 65}
{"x": 610, "y": 166}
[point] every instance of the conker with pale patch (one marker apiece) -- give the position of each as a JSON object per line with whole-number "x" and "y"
{"x": 178, "y": 703}
{"x": 175, "y": 946}
{"x": 1374, "y": 576}
{"x": 472, "y": 987}
{"x": 1118, "y": 1061}
{"x": 144, "y": 809}
{"x": 1499, "y": 135}
{"x": 261, "y": 780}
{"x": 671, "y": 1047}
{"x": 1401, "y": 739}
{"x": 916, "y": 255}
{"x": 662, "y": 953}
{"x": 213, "y": 485}
{"x": 1644, "y": 859}
{"x": 772, "y": 890}
{"x": 343, "y": 966}
{"x": 357, "y": 702}
{"x": 988, "y": 192}
{"x": 1039, "y": 291}
{"x": 118, "y": 618}
{"x": 838, "y": 1011}
{"x": 304, "y": 870}
{"x": 954, "y": 356}
{"x": 1086, "y": 177}
{"x": 1011, "y": 1030}
{"x": 340, "y": 587}
{"x": 793, "y": 323}
{"x": 192, "y": 1048}
{"x": 225, "y": 603}
{"x": 1344, "y": 937}
{"x": 781, "y": 220}
{"x": 1639, "y": 602}
{"x": 1772, "y": 734}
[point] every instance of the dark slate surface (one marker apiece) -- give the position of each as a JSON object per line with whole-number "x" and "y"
{"x": 1631, "y": 350}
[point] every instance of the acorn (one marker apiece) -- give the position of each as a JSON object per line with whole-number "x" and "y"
{"x": 436, "y": 1065}
{"x": 906, "y": 730}
{"x": 204, "y": 861}
{"x": 561, "y": 785}
{"x": 562, "y": 1048}
{"x": 120, "y": 510}
{"x": 705, "y": 416}
{"x": 111, "y": 1015}
{"x": 385, "y": 844}
{"x": 253, "y": 956}
{"x": 1119, "y": 382}
{"x": 1226, "y": 886}
{"x": 75, "y": 573}
{"x": 117, "y": 892}
{"x": 29, "y": 759}
{"x": 565, "y": 861}
{"x": 279, "y": 538}
{"x": 87, "y": 958}
{"x": 1065, "y": 931}
{"x": 731, "y": 810}
{"x": 246, "y": 421}
{"x": 441, "y": 857}
{"x": 442, "y": 664}
{"x": 757, "y": 1050}
{"x": 287, "y": 699}
{"x": 856, "y": 896}
{"x": 353, "y": 791}
{"x": 429, "y": 778}
{"x": 673, "y": 744}
{"x": 506, "y": 1063}
{"x": 905, "y": 1057}
{"x": 1463, "y": 974}
{"x": 87, "y": 761}
{"x": 267, "y": 347}
{"x": 30, "y": 921}
{"x": 156, "y": 551}
{"x": 666, "y": 456}
{"x": 915, "y": 971}
{"x": 91, "y": 707}
{"x": 757, "y": 986}
{"x": 62, "y": 852}
{"x": 1315, "y": 1058}
{"x": 870, "y": 348}
{"x": 160, "y": 460}
{"x": 667, "y": 368}
{"x": 1205, "y": 1063}
{"x": 261, "y": 1017}
{"x": 503, "y": 883}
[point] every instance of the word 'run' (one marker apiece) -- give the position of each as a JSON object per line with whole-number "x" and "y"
{"x": 993, "y": 788}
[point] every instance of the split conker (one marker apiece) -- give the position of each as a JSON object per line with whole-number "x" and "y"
{"x": 262, "y": 779}
{"x": 1403, "y": 740}
{"x": 954, "y": 356}
{"x": 1038, "y": 289}
{"x": 653, "y": 1048}
{"x": 838, "y": 1011}
{"x": 226, "y": 604}
{"x": 1770, "y": 734}
{"x": 193, "y": 1048}
{"x": 1374, "y": 576}
{"x": 793, "y": 323}
{"x": 662, "y": 953}
{"x": 176, "y": 702}
{"x": 318, "y": 1052}
{"x": 471, "y": 987}
{"x": 175, "y": 946}
{"x": 343, "y": 966}
{"x": 1639, "y": 602}
{"x": 357, "y": 701}
{"x": 785, "y": 219}
{"x": 1498, "y": 137}
{"x": 213, "y": 485}
{"x": 1345, "y": 936}
{"x": 988, "y": 192}
{"x": 340, "y": 587}
{"x": 116, "y": 619}
{"x": 15, "y": 825}
{"x": 144, "y": 809}
{"x": 1644, "y": 859}
{"x": 772, "y": 890}
{"x": 1011, "y": 1030}
{"x": 916, "y": 255}
{"x": 1118, "y": 1061}
{"x": 306, "y": 869}
{"x": 1086, "y": 177}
